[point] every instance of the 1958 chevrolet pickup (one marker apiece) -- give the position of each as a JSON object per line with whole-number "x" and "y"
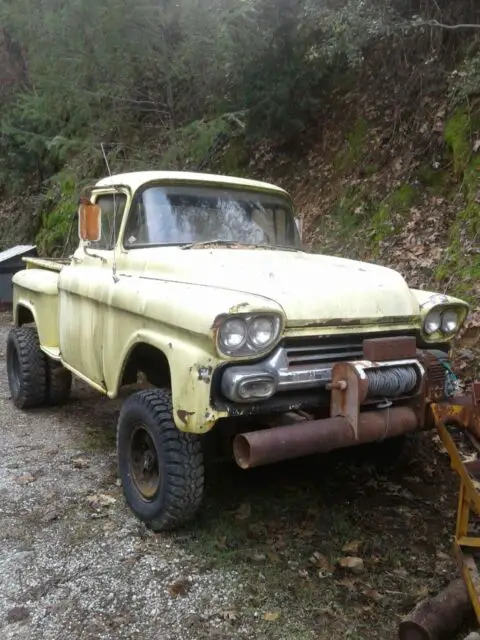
{"x": 200, "y": 283}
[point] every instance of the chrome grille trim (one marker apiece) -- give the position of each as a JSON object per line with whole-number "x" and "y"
{"x": 321, "y": 354}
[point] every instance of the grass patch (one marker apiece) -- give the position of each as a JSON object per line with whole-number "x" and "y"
{"x": 460, "y": 269}
{"x": 266, "y": 525}
{"x": 351, "y": 155}
{"x": 283, "y": 528}
{"x": 435, "y": 181}
{"x": 390, "y": 215}
{"x": 98, "y": 439}
{"x": 457, "y": 137}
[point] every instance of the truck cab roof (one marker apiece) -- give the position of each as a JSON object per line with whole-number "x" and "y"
{"x": 135, "y": 179}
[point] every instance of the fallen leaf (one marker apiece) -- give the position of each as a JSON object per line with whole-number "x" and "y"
{"x": 272, "y": 556}
{"x": 221, "y": 543}
{"x": 373, "y": 594}
{"x": 258, "y": 558}
{"x": 99, "y": 500}
{"x": 353, "y": 564}
{"x": 26, "y": 478}
{"x": 422, "y": 593}
{"x": 229, "y": 615}
{"x": 50, "y": 515}
{"x": 243, "y": 512}
{"x": 321, "y": 562}
{"x": 271, "y": 616}
{"x": 179, "y": 588}
{"x": 80, "y": 463}
{"x": 352, "y": 547}
{"x": 349, "y": 584}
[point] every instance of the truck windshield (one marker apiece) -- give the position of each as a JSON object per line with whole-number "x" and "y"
{"x": 166, "y": 215}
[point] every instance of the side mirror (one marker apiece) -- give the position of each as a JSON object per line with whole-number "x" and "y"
{"x": 299, "y": 224}
{"x": 89, "y": 222}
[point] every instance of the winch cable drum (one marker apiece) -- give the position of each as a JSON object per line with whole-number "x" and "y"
{"x": 391, "y": 382}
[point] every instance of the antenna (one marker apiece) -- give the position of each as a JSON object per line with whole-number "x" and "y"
{"x": 114, "y": 265}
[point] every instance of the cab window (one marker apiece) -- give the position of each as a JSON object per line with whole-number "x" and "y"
{"x": 112, "y": 206}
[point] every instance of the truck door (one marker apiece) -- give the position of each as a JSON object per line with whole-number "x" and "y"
{"x": 84, "y": 293}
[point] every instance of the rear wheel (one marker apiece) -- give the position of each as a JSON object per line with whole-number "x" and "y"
{"x": 392, "y": 454}
{"x": 59, "y": 382}
{"x": 161, "y": 468}
{"x": 26, "y": 368}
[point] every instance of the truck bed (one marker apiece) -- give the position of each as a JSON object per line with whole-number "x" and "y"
{"x": 51, "y": 264}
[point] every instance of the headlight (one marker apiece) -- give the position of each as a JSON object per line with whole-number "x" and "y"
{"x": 261, "y": 331}
{"x": 445, "y": 322}
{"x": 233, "y": 334}
{"x": 433, "y": 322}
{"x": 450, "y": 321}
{"x": 248, "y": 335}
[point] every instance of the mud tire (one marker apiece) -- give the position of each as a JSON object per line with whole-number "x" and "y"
{"x": 26, "y": 368}
{"x": 391, "y": 455}
{"x": 59, "y": 383}
{"x": 179, "y": 462}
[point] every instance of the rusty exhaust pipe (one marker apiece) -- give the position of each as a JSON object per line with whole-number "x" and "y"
{"x": 320, "y": 436}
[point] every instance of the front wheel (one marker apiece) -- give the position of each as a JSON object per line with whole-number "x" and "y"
{"x": 161, "y": 468}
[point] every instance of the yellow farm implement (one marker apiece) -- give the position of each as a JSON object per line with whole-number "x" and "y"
{"x": 458, "y": 424}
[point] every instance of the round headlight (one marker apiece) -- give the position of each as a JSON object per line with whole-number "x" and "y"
{"x": 433, "y": 322}
{"x": 233, "y": 334}
{"x": 262, "y": 331}
{"x": 450, "y": 321}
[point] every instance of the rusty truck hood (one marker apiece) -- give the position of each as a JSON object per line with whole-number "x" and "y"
{"x": 311, "y": 288}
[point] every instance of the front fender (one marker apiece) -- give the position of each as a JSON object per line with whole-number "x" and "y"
{"x": 191, "y": 369}
{"x": 428, "y": 300}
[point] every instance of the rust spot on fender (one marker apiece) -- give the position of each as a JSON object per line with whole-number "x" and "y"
{"x": 358, "y": 322}
{"x": 238, "y": 308}
{"x": 204, "y": 373}
{"x": 183, "y": 415}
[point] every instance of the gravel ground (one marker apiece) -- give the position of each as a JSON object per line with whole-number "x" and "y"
{"x": 74, "y": 562}
{"x": 263, "y": 559}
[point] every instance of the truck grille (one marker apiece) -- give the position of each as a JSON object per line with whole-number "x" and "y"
{"x": 315, "y": 351}
{"x": 311, "y": 355}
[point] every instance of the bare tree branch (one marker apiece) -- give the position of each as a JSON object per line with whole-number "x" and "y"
{"x": 441, "y": 25}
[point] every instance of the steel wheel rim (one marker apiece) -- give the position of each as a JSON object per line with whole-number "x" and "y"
{"x": 144, "y": 463}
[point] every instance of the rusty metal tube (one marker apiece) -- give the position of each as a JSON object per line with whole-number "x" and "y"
{"x": 319, "y": 436}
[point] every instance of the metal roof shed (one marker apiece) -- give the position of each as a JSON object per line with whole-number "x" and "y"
{"x": 11, "y": 262}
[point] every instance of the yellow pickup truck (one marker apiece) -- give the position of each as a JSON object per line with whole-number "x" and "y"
{"x": 200, "y": 284}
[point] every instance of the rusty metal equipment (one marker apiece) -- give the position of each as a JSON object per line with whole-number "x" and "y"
{"x": 320, "y": 436}
{"x": 458, "y": 423}
{"x": 438, "y": 618}
{"x": 371, "y": 400}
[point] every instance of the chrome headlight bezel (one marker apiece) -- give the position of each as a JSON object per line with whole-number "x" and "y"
{"x": 248, "y": 348}
{"x": 437, "y": 317}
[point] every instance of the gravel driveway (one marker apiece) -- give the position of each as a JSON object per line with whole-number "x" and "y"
{"x": 74, "y": 562}
{"x": 261, "y": 561}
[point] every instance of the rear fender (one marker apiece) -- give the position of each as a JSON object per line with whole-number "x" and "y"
{"x": 36, "y": 292}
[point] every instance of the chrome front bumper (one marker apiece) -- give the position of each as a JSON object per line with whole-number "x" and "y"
{"x": 245, "y": 383}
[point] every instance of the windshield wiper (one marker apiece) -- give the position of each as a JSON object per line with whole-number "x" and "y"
{"x": 205, "y": 243}
{"x": 235, "y": 243}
